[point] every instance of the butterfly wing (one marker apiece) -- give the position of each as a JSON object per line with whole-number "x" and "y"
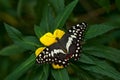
{"x": 67, "y": 47}
{"x": 75, "y": 46}
{"x": 72, "y": 41}
{"x": 53, "y": 54}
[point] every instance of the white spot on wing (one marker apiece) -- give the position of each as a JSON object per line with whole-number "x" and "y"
{"x": 78, "y": 24}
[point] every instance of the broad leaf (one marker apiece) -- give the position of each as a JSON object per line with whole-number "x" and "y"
{"x": 98, "y": 29}
{"x": 29, "y": 42}
{"x": 109, "y": 53}
{"x": 21, "y": 69}
{"x": 12, "y": 49}
{"x": 103, "y": 68}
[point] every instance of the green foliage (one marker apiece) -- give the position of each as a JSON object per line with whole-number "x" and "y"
{"x": 60, "y": 74}
{"x": 105, "y": 4}
{"x": 117, "y": 2}
{"x": 12, "y": 49}
{"x": 98, "y": 58}
{"x": 28, "y": 42}
{"x": 109, "y": 53}
{"x": 62, "y": 17}
{"x": 21, "y": 69}
{"x": 96, "y": 30}
{"x": 101, "y": 67}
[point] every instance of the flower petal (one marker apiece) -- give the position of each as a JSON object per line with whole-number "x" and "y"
{"x": 48, "y": 39}
{"x": 58, "y": 33}
{"x": 39, "y": 50}
{"x": 56, "y": 66}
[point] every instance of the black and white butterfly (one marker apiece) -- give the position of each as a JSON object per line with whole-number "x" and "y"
{"x": 69, "y": 46}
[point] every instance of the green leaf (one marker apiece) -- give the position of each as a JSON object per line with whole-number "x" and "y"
{"x": 82, "y": 74}
{"x": 44, "y": 24}
{"x": 38, "y": 31}
{"x": 104, "y": 3}
{"x": 12, "y": 49}
{"x": 21, "y": 69}
{"x": 13, "y": 33}
{"x": 41, "y": 4}
{"x": 63, "y": 16}
{"x": 19, "y": 8}
{"x": 103, "y": 68}
{"x": 44, "y": 73}
{"x": 85, "y": 59}
{"x": 98, "y": 29}
{"x": 109, "y": 53}
{"x": 61, "y": 74}
{"x": 41, "y": 76}
{"x": 29, "y": 42}
{"x": 58, "y": 5}
{"x": 45, "y": 20}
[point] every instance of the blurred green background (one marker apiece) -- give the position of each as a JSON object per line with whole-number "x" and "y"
{"x": 24, "y": 14}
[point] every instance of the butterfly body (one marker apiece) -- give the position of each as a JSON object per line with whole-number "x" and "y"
{"x": 69, "y": 46}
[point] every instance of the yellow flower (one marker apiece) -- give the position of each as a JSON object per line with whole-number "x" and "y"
{"x": 48, "y": 39}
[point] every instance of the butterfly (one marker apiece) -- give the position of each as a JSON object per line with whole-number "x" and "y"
{"x": 66, "y": 48}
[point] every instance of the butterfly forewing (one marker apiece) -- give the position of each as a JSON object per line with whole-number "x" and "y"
{"x": 69, "y": 46}
{"x": 76, "y": 47}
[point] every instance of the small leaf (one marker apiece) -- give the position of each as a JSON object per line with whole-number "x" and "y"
{"x": 98, "y": 29}
{"x": 61, "y": 74}
{"x": 109, "y": 53}
{"x": 20, "y": 70}
{"x": 12, "y": 49}
{"x": 62, "y": 17}
{"x": 14, "y": 34}
{"x": 38, "y": 31}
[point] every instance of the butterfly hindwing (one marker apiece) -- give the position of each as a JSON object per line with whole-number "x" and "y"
{"x": 69, "y": 46}
{"x": 53, "y": 54}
